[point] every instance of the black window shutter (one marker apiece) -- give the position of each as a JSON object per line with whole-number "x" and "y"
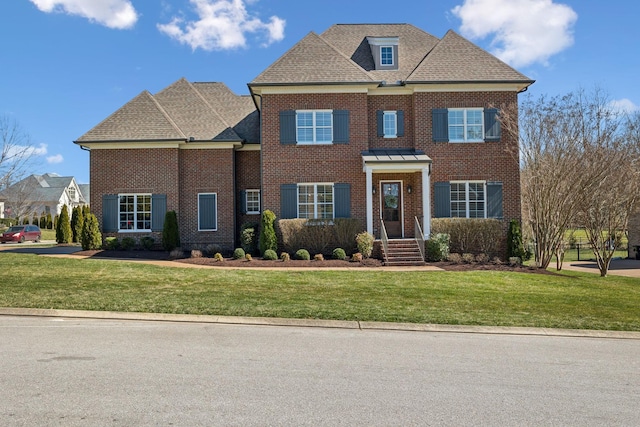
{"x": 440, "y": 119}
{"x": 342, "y": 200}
{"x": 380, "y": 122}
{"x": 341, "y": 126}
{"x": 158, "y": 211}
{"x": 494, "y": 200}
{"x": 109, "y": 212}
{"x": 400, "y": 118}
{"x": 207, "y": 212}
{"x": 442, "y": 196}
{"x": 288, "y": 201}
{"x": 491, "y": 125}
{"x": 288, "y": 127}
{"x": 243, "y": 202}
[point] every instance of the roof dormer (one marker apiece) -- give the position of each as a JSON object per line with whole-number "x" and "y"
{"x": 385, "y": 52}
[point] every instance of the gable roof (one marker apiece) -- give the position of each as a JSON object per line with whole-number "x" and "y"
{"x": 455, "y": 59}
{"x": 181, "y": 111}
{"x": 342, "y": 54}
{"x": 47, "y": 188}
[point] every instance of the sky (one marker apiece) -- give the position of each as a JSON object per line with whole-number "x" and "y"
{"x": 66, "y": 65}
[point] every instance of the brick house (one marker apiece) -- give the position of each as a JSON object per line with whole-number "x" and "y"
{"x": 373, "y": 122}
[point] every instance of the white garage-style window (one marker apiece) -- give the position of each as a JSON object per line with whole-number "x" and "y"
{"x": 134, "y": 212}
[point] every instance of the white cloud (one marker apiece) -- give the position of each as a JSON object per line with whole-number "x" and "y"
{"x": 55, "y": 159}
{"x": 523, "y": 31}
{"x": 624, "y": 105}
{"x": 222, "y": 25}
{"x": 118, "y": 14}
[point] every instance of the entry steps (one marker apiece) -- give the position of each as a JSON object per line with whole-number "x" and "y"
{"x": 403, "y": 252}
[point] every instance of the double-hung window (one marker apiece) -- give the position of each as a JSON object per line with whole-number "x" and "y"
{"x": 134, "y": 212}
{"x": 386, "y": 55}
{"x": 252, "y": 200}
{"x": 468, "y": 199}
{"x": 315, "y": 201}
{"x": 314, "y": 126}
{"x": 390, "y": 124}
{"x": 466, "y": 125}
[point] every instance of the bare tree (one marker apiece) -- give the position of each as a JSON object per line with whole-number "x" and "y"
{"x": 552, "y": 174}
{"x": 16, "y": 151}
{"x": 613, "y": 150}
{"x": 577, "y": 167}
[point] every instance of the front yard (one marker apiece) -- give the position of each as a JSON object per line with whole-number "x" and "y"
{"x": 566, "y": 300}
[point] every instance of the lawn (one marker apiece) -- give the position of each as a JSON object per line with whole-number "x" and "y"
{"x": 567, "y": 300}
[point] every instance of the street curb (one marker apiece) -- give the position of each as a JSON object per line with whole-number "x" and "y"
{"x": 318, "y": 323}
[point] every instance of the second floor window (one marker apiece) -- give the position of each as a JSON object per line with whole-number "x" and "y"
{"x": 390, "y": 124}
{"x": 466, "y": 125}
{"x": 72, "y": 193}
{"x": 314, "y": 127}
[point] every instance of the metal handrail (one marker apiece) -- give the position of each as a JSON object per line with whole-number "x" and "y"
{"x": 419, "y": 236}
{"x": 385, "y": 240}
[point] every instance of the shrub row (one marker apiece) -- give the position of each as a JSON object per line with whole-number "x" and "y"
{"x": 471, "y": 235}
{"x": 319, "y": 236}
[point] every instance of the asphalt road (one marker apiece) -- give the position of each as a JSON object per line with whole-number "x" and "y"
{"x": 84, "y": 372}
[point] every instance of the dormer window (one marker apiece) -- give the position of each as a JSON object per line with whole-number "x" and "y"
{"x": 384, "y": 51}
{"x": 386, "y": 55}
{"x": 72, "y": 193}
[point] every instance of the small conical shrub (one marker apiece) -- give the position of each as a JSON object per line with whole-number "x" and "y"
{"x": 77, "y": 221}
{"x": 63, "y": 228}
{"x": 514, "y": 241}
{"x": 170, "y": 232}
{"x": 90, "y": 236}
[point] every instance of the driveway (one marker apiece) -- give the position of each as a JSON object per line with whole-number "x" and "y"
{"x": 618, "y": 267}
{"x": 45, "y": 247}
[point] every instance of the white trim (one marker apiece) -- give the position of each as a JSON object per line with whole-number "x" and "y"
{"x": 314, "y": 127}
{"x": 198, "y": 213}
{"x": 393, "y": 62}
{"x": 395, "y": 117}
{"x": 465, "y": 124}
{"x": 250, "y": 147}
{"x": 133, "y": 145}
{"x": 135, "y": 228}
{"x": 466, "y": 195}
{"x": 401, "y": 199}
{"x": 315, "y": 199}
{"x": 246, "y": 201}
{"x": 369, "y": 195}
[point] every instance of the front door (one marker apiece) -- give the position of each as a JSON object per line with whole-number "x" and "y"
{"x": 391, "y": 202}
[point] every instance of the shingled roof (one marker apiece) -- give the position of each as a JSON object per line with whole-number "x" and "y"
{"x": 455, "y": 59}
{"x": 342, "y": 54}
{"x": 181, "y": 111}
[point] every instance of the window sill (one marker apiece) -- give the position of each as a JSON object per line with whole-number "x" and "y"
{"x": 314, "y": 143}
{"x": 467, "y": 142}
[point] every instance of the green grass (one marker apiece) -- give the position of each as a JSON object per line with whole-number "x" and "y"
{"x": 567, "y": 300}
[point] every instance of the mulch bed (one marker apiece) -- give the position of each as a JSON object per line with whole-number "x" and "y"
{"x": 328, "y": 263}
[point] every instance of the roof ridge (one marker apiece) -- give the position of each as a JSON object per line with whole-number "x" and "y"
{"x": 215, "y": 111}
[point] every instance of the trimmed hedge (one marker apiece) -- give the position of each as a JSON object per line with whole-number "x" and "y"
{"x": 472, "y": 235}
{"x": 319, "y": 236}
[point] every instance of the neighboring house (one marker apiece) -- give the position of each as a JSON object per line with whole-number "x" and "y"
{"x": 38, "y": 194}
{"x": 373, "y": 122}
{"x": 634, "y": 235}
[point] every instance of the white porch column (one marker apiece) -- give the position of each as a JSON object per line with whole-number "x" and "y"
{"x": 369, "y": 194}
{"x": 426, "y": 202}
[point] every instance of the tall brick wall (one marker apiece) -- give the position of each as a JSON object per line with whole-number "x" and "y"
{"x": 134, "y": 171}
{"x": 285, "y": 164}
{"x": 288, "y": 164}
{"x": 207, "y": 171}
{"x": 491, "y": 161}
{"x": 247, "y": 178}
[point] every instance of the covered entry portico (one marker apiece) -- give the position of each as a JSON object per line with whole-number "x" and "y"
{"x": 396, "y": 161}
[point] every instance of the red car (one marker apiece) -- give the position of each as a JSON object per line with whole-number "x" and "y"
{"x": 20, "y": 233}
